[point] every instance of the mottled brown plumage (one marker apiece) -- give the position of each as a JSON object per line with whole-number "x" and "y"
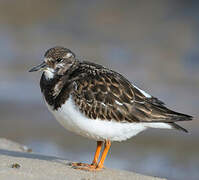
{"x": 101, "y": 93}
{"x": 107, "y": 95}
{"x": 98, "y": 103}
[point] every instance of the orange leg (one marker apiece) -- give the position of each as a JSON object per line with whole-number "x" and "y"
{"x": 97, "y": 152}
{"x": 104, "y": 154}
{"x": 85, "y": 166}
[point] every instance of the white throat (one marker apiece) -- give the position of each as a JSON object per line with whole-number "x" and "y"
{"x": 49, "y": 73}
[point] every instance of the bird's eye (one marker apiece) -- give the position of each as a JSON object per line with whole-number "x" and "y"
{"x": 59, "y": 60}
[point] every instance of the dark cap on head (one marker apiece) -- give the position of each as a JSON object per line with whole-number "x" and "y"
{"x": 58, "y": 52}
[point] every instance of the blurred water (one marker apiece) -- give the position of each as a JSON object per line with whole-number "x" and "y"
{"x": 154, "y": 44}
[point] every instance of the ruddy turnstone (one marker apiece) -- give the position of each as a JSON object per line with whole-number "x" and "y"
{"x": 98, "y": 103}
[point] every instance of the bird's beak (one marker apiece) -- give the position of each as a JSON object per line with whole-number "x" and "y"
{"x": 40, "y": 67}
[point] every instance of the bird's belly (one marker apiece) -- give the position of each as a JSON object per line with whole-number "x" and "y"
{"x": 73, "y": 120}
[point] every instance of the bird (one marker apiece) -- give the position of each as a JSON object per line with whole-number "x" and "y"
{"x": 99, "y": 103}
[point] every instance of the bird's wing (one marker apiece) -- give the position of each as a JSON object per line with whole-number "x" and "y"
{"x": 108, "y": 95}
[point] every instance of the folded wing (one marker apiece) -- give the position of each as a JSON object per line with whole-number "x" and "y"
{"x": 110, "y": 96}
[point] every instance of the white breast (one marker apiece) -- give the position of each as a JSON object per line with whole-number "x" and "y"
{"x": 73, "y": 120}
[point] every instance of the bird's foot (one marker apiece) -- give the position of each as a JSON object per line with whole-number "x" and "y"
{"x": 85, "y": 166}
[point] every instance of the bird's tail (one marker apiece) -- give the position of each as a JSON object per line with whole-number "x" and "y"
{"x": 177, "y": 127}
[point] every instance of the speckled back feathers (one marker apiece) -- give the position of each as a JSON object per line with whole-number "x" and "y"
{"x": 100, "y": 93}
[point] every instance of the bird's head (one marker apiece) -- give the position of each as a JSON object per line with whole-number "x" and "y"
{"x": 57, "y": 61}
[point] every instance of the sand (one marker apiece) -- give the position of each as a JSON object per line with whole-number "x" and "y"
{"x": 17, "y": 162}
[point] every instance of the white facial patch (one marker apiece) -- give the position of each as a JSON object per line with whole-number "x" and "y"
{"x": 49, "y": 73}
